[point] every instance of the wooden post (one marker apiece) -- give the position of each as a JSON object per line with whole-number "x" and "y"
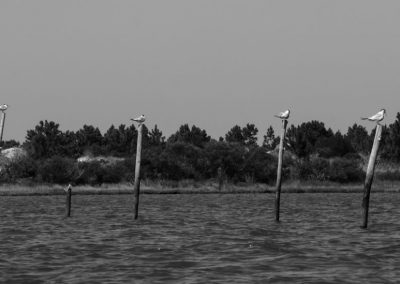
{"x": 136, "y": 185}
{"x": 220, "y": 179}
{"x": 3, "y": 118}
{"x": 279, "y": 173}
{"x": 136, "y": 194}
{"x": 370, "y": 175}
{"x": 68, "y": 191}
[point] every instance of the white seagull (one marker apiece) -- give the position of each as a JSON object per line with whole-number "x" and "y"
{"x": 3, "y": 107}
{"x": 376, "y": 117}
{"x": 283, "y": 115}
{"x": 139, "y": 119}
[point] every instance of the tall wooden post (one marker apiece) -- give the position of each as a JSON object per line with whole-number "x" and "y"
{"x": 68, "y": 200}
{"x": 136, "y": 185}
{"x": 279, "y": 173}
{"x": 370, "y": 175}
{"x": 3, "y": 118}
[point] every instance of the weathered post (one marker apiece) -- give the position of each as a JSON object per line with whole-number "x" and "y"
{"x": 68, "y": 192}
{"x": 279, "y": 172}
{"x": 3, "y": 118}
{"x": 136, "y": 185}
{"x": 370, "y": 175}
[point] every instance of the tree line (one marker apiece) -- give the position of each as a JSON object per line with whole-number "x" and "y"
{"x": 313, "y": 152}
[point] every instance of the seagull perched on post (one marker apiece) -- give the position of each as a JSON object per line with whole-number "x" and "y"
{"x": 376, "y": 117}
{"x": 283, "y": 115}
{"x": 3, "y": 107}
{"x": 139, "y": 119}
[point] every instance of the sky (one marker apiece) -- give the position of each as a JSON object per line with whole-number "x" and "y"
{"x": 212, "y": 63}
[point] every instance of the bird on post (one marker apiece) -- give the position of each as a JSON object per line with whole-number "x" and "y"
{"x": 68, "y": 187}
{"x": 139, "y": 119}
{"x": 3, "y": 107}
{"x": 376, "y": 117}
{"x": 283, "y": 115}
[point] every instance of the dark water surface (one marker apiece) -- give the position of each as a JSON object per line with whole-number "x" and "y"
{"x": 207, "y": 238}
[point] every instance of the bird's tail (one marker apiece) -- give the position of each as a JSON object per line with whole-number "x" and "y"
{"x": 277, "y": 116}
{"x": 364, "y": 118}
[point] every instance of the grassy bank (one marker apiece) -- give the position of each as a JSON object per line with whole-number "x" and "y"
{"x": 191, "y": 187}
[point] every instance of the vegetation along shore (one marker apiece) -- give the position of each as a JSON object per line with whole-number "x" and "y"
{"x": 191, "y": 187}
{"x": 190, "y": 161}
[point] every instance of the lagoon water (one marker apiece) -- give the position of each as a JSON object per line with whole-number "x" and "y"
{"x": 209, "y": 238}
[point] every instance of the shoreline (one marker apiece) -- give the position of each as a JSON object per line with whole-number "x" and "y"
{"x": 119, "y": 189}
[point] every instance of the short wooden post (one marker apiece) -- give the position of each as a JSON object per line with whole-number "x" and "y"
{"x": 68, "y": 192}
{"x": 136, "y": 185}
{"x": 3, "y": 118}
{"x": 279, "y": 173}
{"x": 220, "y": 179}
{"x": 370, "y": 175}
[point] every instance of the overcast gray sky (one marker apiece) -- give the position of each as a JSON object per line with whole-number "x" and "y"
{"x": 212, "y": 63}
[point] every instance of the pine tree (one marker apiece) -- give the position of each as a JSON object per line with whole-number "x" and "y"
{"x": 270, "y": 141}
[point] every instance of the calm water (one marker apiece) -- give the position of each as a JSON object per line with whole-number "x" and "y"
{"x": 200, "y": 239}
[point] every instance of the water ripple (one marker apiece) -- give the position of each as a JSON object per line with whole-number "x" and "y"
{"x": 199, "y": 238}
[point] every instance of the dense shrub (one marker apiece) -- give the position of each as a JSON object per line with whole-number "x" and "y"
{"x": 150, "y": 166}
{"x": 90, "y": 173}
{"x": 389, "y": 175}
{"x": 9, "y": 144}
{"x": 353, "y": 156}
{"x": 181, "y": 161}
{"x": 21, "y": 167}
{"x": 345, "y": 170}
{"x": 114, "y": 173}
{"x": 229, "y": 156}
{"x": 260, "y": 166}
{"x": 98, "y": 172}
{"x": 313, "y": 169}
{"x": 337, "y": 170}
{"x": 57, "y": 170}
